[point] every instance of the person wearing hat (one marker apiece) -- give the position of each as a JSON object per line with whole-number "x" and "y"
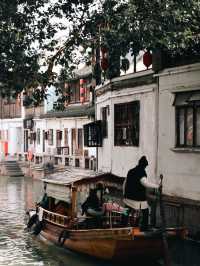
{"x": 135, "y": 187}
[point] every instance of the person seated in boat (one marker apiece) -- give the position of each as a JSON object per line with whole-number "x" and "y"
{"x": 92, "y": 206}
{"x": 135, "y": 187}
{"x": 62, "y": 208}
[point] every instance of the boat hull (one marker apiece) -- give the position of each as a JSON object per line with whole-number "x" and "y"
{"x": 108, "y": 244}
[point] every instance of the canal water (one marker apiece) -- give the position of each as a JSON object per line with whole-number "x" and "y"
{"x": 19, "y": 248}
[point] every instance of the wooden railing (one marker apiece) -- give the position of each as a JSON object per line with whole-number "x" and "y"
{"x": 111, "y": 219}
{"x": 34, "y": 111}
{"x": 56, "y": 218}
{"x": 9, "y": 110}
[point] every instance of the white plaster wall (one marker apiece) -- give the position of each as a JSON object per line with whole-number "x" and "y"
{"x": 61, "y": 124}
{"x": 181, "y": 170}
{"x": 14, "y": 127}
{"x": 105, "y": 152}
{"x": 41, "y": 124}
{"x": 118, "y": 160}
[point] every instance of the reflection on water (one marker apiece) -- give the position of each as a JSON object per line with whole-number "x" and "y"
{"x": 17, "y": 247}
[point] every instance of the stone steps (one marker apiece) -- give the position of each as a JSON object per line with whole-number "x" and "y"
{"x": 12, "y": 168}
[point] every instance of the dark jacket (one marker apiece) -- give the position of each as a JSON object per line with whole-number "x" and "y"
{"x": 134, "y": 190}
{"x": 91, "y": 202}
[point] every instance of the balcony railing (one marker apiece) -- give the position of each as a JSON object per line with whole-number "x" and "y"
{"x": 10, "y": 110}
{"x": 34, "y": 111}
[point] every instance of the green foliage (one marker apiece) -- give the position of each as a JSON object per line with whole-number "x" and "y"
{"x": 29, "y": 32}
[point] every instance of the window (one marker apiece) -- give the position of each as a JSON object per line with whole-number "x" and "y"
{"x": 58, "y": 138}
{"x": 104, "y": 122}
{"x": 38, "y": 136}
{"x": 77, "y": 162}
{"x": 66, "y": 137}
{"x": 126, "y": 127}
{"x": 74, "y": 90}
{"x": 73, "y": 140}
{"x": 77, "y": 141}
{"x": 87, "y": 163}
{"x": 93, "y": 134}
{"x": 28, "y": 123}
{"x": 67, "y": 161}
{"x": 187, "y": 105}
{"x": 50, "y": 137}
{"x": 88, "y": 89}
{"x": 32, "y": 137}
{"x": 80, "y": 139}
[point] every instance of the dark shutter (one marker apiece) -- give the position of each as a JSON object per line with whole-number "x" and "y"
{"x": 93, "y": 134}
{"x": 46, "y": 135}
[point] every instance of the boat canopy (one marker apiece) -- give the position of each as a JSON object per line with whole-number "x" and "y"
{"x": 59, "y": 185}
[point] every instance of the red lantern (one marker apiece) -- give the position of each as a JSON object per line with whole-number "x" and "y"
{"x": 82, "y": 90}
{"x": 147, "y": 59}
{"x": 104, "y": 58}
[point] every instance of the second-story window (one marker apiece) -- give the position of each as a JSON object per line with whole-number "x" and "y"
{"x": 74, "y": 90}
{"x": 187, "y": 107}
{"x": 50, "y": 137}
{"x": 126, "y": 124}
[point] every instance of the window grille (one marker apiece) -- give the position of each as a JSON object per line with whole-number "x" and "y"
{"x": 93, "y": 134}
{"x": 126, "y": 124}
{"x": 187, "y": 109}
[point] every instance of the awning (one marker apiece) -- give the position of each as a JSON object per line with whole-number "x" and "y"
{"x": 194, "y": 97}
{"x": 187, "y": 98}
{"x": 59, "y": 192}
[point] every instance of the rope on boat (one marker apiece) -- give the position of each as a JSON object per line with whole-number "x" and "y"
{"x": 62, "y": 237}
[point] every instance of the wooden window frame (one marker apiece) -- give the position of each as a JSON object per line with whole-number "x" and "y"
{"x": 50, "y": 137}
{"x": 58, "y": 138}
{"x": 194, "y": 124}
{"x": 74, "y": 92}
{"x": 66, "y": 137}
{"x": 127, "y": 124}
{"x": 77, "y": 141}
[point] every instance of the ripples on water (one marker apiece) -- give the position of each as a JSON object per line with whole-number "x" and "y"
{"x": 19, "y": 248}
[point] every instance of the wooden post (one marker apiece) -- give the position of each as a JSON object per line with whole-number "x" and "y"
{"x": 74, "y": 192}
{"x": 167, "y": 258}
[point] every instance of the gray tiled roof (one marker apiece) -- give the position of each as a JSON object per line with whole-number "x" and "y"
{"x": 72, "y": 111}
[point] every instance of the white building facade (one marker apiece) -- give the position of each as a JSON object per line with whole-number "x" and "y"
{"x": 179, "y": 143}
{"x": 129, "y": 106}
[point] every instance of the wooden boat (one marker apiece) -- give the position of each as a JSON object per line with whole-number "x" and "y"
{"x": 105, "y": 240}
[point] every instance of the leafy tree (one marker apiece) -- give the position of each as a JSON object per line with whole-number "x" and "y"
{"x": 31, "y": 30}
{"x": 28, "y": 34}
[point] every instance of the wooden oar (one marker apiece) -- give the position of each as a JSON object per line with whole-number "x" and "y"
{"x": 167, "y": 258}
